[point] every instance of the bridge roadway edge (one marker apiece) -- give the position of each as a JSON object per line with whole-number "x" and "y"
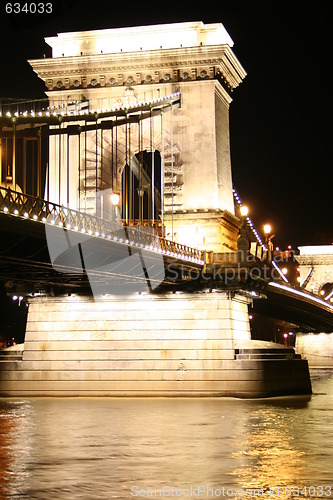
{"x": 168, "y": 345}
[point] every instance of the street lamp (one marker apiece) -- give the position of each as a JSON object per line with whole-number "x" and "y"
{"x": 243, "y": 242}
{"x": 115, "y": 197}
{"x": 244, "y": 211}
{"x": 267, "y": 229}
{"x": 290, "y": 338}
{"x": 268, "y": 242}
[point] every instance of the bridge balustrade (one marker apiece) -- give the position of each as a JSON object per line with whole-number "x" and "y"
{"x": 37, "y": 209}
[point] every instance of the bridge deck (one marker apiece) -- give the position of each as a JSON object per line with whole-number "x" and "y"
{"x": 25, "y": 253}
{"x": 25, "y": 259}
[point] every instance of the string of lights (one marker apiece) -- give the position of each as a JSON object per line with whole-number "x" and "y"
{"x": 308, "y": 296}
{"x": 257, "y": 236}
{"x": 249, "y": 221}
{"x": 62, "y": 110}
{"x": 14, "y": 204}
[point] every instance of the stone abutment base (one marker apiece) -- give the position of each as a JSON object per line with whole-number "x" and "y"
{"x": 317, "y": 348}
{"x": 169, "y": 345}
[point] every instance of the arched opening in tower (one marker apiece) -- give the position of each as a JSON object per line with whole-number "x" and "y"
{"x": 141, "y": 199}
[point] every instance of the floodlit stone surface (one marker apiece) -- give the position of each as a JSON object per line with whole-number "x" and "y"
{"x": 162, "y": 345}
{"x": 316, "y": 348}
{"x": 121, "y": 68}
{"x": 316, "y": 275}
{"x": 316, "y": 267}
{"x": 194, "y": 344}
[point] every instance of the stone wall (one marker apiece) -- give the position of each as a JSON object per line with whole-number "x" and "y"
{"x": 170, "y": 345}
{"x": 317, "y": 348}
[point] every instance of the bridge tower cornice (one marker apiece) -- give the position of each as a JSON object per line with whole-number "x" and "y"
{"x": 163, "y": 66}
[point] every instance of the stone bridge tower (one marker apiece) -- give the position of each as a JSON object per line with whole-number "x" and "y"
{"x": 316, "y": 274}
{"x": 128, "y": 65}
{"x": 189, "y": 343}
{"x": 316, "y": 269}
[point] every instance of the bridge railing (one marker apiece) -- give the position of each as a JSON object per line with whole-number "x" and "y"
{"x": 37, "y": 209}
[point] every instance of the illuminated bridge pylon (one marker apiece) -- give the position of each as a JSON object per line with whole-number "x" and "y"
{"x": 142, "y": 112}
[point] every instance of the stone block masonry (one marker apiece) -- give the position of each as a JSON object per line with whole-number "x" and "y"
{"x": 153, "y": 345}
{"x": 317, "y": 348}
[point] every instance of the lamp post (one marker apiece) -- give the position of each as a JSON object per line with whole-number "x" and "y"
{"x": 243, "y": 242}
{"x": 141, "y": 193}
{"x": 115, "y": 197}
{"x": 291, "y": 338}
{"x": 244, "y": 211}
{"x": 267, "y": 231}
{"x": 268, "y": 242}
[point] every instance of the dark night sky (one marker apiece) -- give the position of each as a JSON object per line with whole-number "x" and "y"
{"x": 279, "y": 119}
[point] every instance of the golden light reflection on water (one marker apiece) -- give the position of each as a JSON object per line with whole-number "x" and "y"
{"x": 101, "y": 448}
{"x": 15, "y": 439}
{"x": 273, "y": 457}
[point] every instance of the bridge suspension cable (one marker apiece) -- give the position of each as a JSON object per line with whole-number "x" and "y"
{"x": 249, "y": 221}
{"x": 257, "y": 236}
{"x": 81, "y": 159}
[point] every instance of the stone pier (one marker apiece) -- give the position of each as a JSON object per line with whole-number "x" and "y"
{"x": 316, "y": 274}
{"x": 153, "y": 345}
{"x": 316, "y": 348}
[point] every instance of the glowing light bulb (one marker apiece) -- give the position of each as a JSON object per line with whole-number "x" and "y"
{"x": 115, "y": 197}
{"x": 267, "y": 228}
{"x": 244, "y": 211}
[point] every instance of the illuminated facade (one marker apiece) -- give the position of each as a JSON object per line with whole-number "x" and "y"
{"x": 114, "y": 68}
{"x": 316, "y": 269}
{"x": 188, "y": 342}
{"x": 316, "y": 275}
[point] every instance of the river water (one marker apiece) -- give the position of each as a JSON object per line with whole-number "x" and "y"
{"x": 168, "y": 448}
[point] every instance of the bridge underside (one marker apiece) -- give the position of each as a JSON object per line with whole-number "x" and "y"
{"x": 26, "y": 269}
{"x": 309, "y": 317}
{"x": 25, "y": 262}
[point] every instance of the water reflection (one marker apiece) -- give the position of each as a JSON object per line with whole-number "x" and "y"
{"x": 104, "y": 448}
{"x": 16, "y": 431}
{"x": 273, "y": 455}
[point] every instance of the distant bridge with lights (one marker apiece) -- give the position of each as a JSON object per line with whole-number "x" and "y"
{"x": 122, "y": 230}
